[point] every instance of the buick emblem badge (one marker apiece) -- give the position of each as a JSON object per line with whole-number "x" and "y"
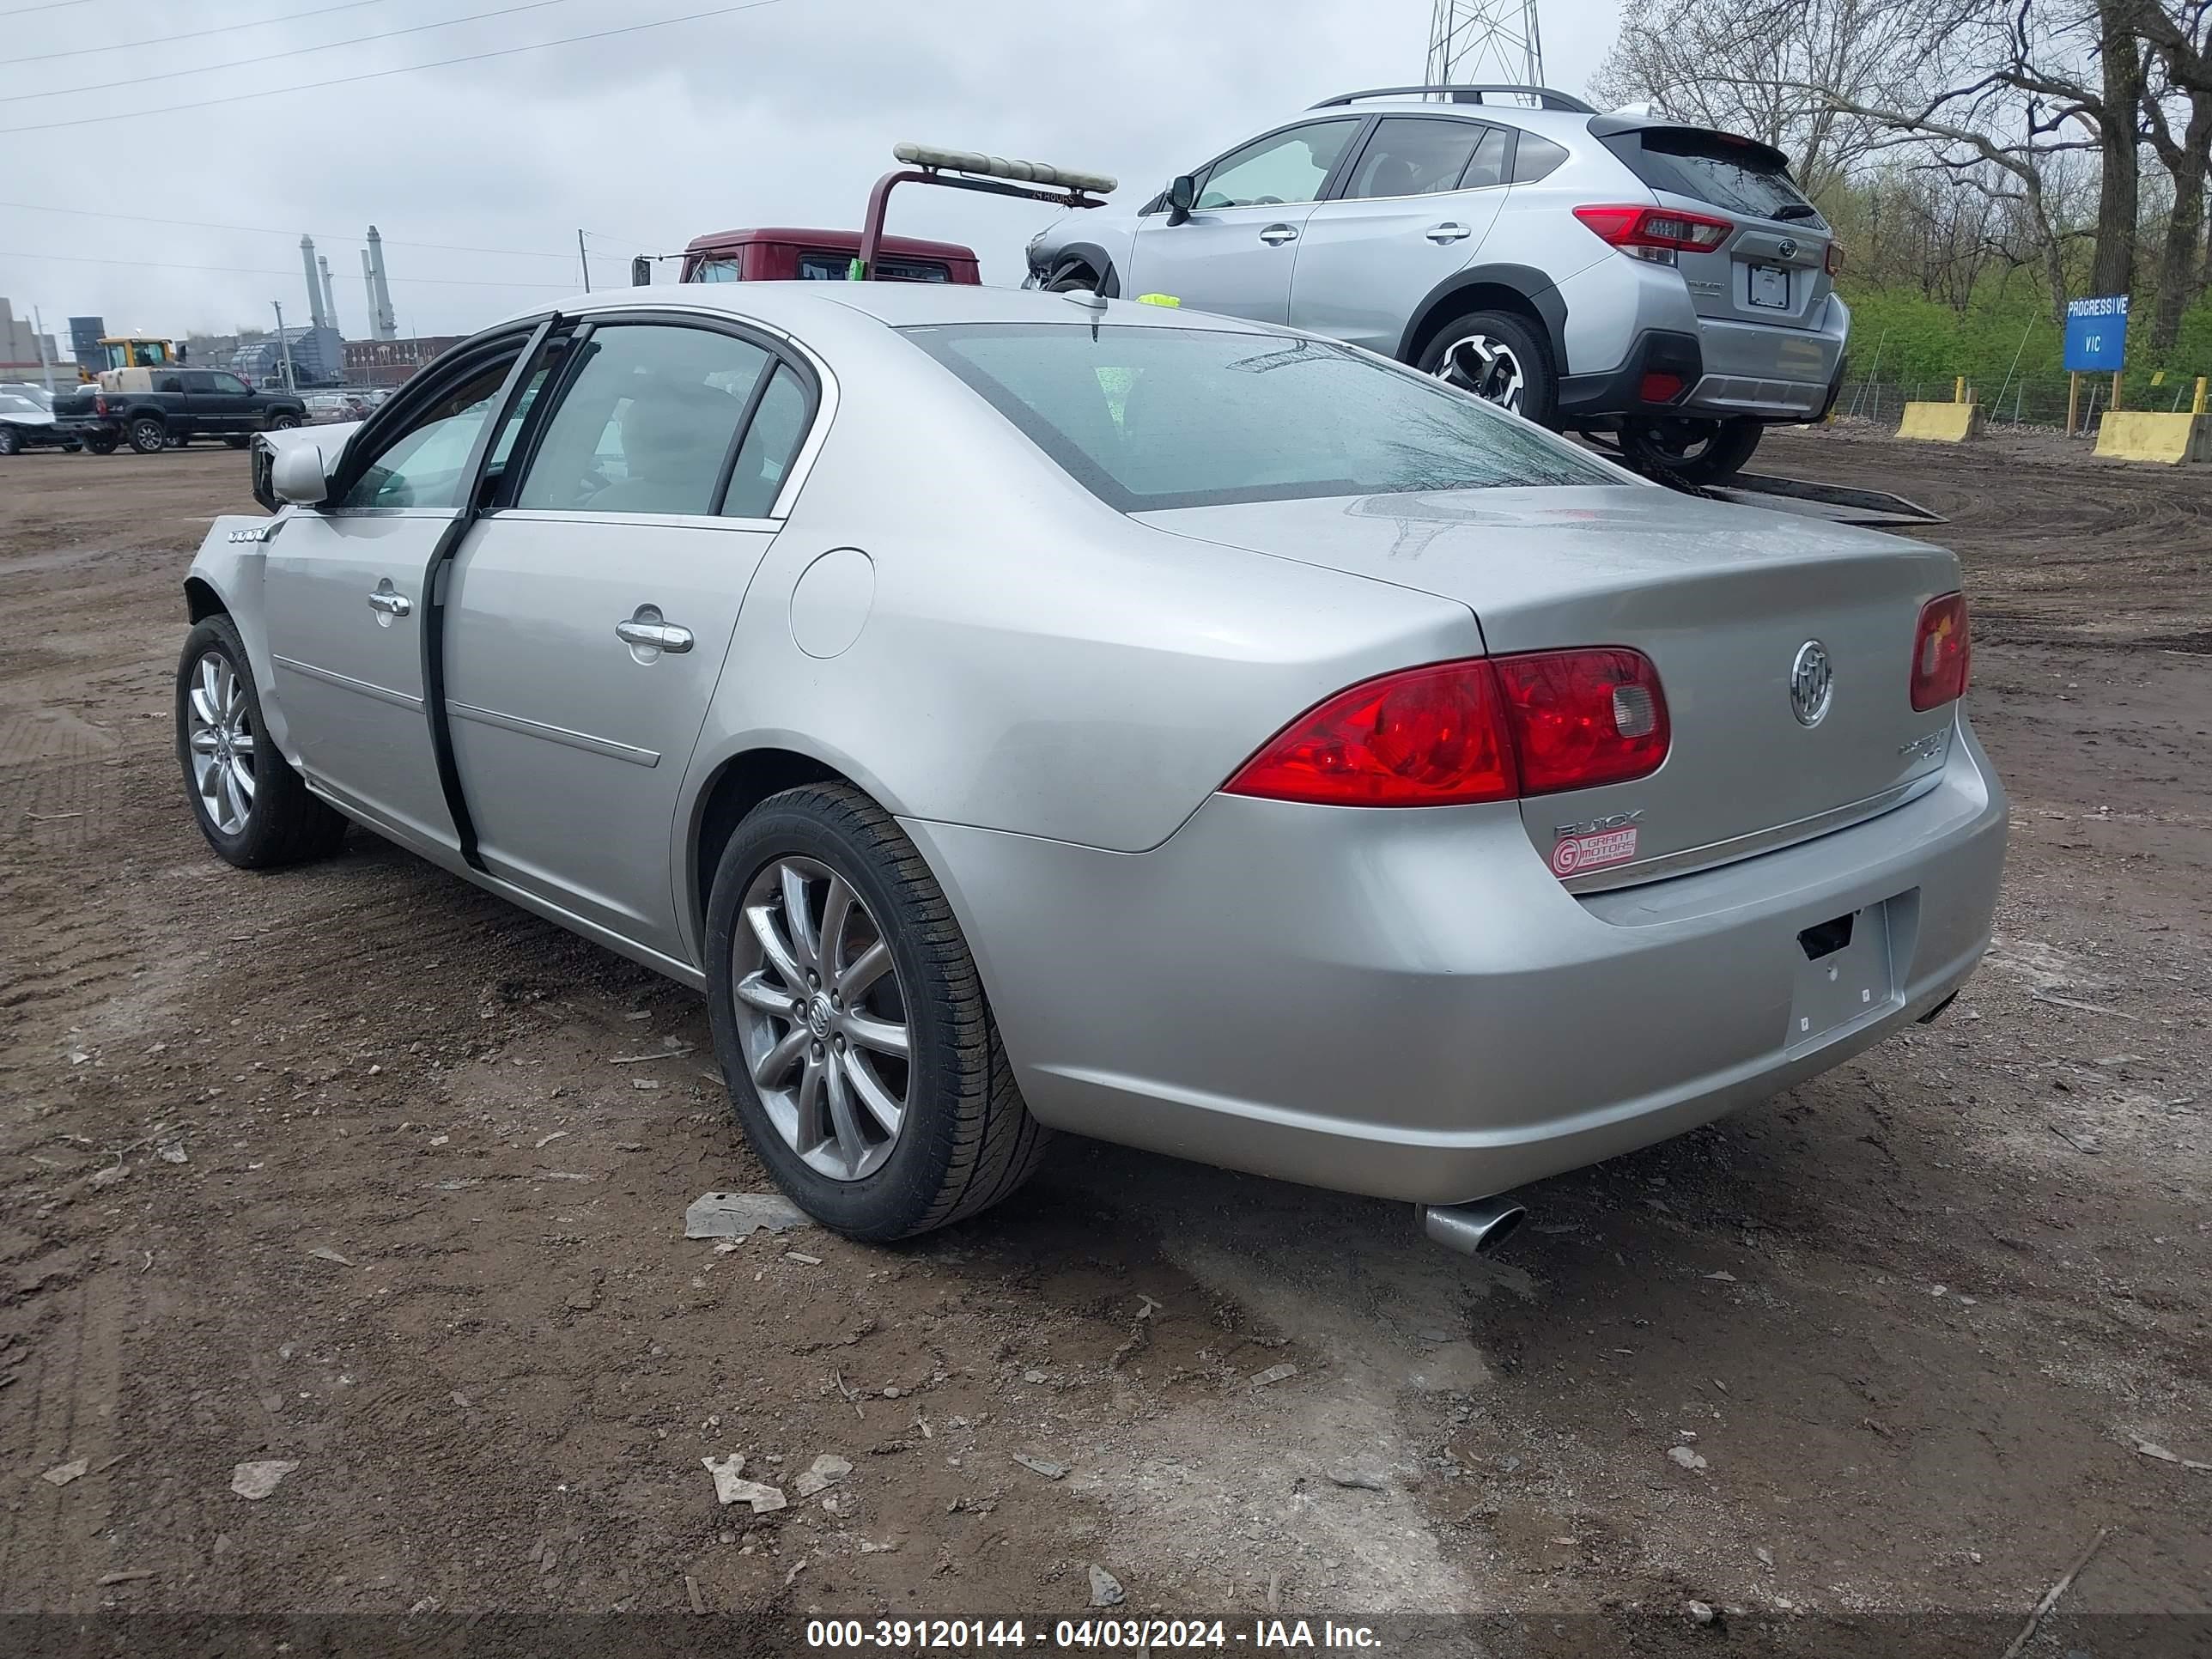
{"x": 1812, "y": 684}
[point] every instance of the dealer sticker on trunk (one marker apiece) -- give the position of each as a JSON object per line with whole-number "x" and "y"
{"x": 1574, "y": 853}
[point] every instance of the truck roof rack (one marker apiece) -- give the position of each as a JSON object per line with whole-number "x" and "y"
{"x": 1544, "y": 97}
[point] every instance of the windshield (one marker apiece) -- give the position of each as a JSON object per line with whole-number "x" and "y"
{"x": 1163, "y": 417}
{"x": 11, "y": 404}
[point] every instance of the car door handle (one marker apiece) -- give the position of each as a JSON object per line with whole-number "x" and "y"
{"x": 1276, "y": 236}
{"x": 1442, "y": 233}
{"x": 647, "y": 631}
{"x": 391, "y": 603}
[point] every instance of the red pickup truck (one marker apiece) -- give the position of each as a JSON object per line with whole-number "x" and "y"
{"x": 781, "y": 255}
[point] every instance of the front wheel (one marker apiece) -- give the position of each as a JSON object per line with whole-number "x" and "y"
{"x": 236, "y": 442}
{"x": 1676, "y": 450}
{"x": 148, "y": 436}
{"x": 851, "y": 1026}
{"x": 249, "y": 803}
{"x": 11, "y": 441}
{"x": 1502, "y": 358}
{"x": 101, "y": 443}
{"x": 283, "y": 423}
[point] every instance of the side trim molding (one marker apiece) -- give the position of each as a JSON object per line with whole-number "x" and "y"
{"x": 584, "y": 740}
{"x": 367, "y": 688}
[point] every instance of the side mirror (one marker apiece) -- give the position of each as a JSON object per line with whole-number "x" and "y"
{"x": 641, "y": 272}
{"x": 1182, "y": 196}
{"x": 297, "y": 475}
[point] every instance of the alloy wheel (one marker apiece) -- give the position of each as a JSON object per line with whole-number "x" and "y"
{"x": 219, "y": 735}
{"x": 822, "y": 1018}
{"x": 1485, "y": 366}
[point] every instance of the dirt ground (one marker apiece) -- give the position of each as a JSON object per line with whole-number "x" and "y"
{"x": 333, "y": 1166}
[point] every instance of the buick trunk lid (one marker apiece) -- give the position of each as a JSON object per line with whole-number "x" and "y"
{"x": 1725, "y": 600}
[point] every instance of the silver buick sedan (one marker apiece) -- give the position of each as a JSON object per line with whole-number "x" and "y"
{"x": 1021, "y": 712}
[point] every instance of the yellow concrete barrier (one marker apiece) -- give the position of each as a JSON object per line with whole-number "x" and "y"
{"x": 1942, "y": 423}
{"x": 2128, "y": 434}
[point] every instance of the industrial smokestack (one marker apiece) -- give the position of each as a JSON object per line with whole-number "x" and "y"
{"x": 329, "y": 299}
{"x": 379, "y": 299}
{"x": 314, "y": 285}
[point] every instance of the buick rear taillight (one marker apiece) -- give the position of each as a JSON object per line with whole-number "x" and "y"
{"x": 1583, "y": 718}
{"x": 1942, "y": 652}
{"x": 1653, "y": 233}
{"x": 1485, "y": 729}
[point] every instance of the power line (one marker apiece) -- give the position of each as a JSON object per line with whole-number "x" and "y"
{"x": 256, "y": 270}
{"x": 51, "y": 5}
{"x": 271, "y": 230}
{"x": 190, "y": 34}
{"x": 289, "y": 52}
{"x": 379, "y": 74}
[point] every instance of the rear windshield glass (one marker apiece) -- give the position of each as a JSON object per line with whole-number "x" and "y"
{"x": 1711, "y": 167}
{"x": 1164, "y": 418}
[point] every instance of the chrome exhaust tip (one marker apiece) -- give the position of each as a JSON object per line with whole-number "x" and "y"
{"x": 1475, "y": 1229}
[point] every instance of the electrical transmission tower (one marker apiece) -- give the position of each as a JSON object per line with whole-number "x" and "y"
{"x": 1485, "y": 41}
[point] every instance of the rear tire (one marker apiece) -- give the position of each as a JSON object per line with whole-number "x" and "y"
{"x": 102, "y": 444}
{"x": 1499, "y": 356}
{"x": 236, "y": 443}
{"x": 149, "y": 435}
{"x": 260, "y": 815}
{"x": 964, "y": 1138}
{"x": 1689, "y": 452}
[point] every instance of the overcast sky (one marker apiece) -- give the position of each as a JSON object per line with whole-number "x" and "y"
{"x": 782, "y": 114}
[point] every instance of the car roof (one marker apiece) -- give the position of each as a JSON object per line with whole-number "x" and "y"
{"x": 798, "y": 308}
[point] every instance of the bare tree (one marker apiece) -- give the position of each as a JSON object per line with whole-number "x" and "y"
{"x": 1745, "y": 70}
{"x": 2178, "y": 122}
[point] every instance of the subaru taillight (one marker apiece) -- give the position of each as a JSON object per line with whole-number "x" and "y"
{"x": 1942, "y": 652}
{"x": 1835, "y": 260}
{"x": 1485, "y": 729}
{"x": 1653, "y": 233}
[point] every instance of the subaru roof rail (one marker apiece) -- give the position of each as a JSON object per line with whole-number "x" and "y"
{"x": 1465, "y": 94}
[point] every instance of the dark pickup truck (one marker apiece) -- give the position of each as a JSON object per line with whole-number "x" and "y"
{"x": 150, "y": 409}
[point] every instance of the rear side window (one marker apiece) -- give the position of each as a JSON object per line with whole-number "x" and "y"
{"x": 1416, "y": 155}
{"x": 1165, "y": 417}
{"x": 646, "y": 420}
{"x": 1534, "y": 157}
{"x": 770, "y": 442}
{"x": 1716, "y": 167}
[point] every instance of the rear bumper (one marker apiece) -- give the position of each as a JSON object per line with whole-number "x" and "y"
{"x": 1618, "y": 307}
{"x": 1409, "y": 1005}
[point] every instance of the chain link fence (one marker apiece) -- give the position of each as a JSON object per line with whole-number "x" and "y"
{"x": 2024, "y": 400}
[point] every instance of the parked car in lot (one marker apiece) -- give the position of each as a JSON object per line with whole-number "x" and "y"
{"x": 1023, "y": 712}
{"x": 1624, "y": 274}
{"x": 151, "y": 409}
{"x": 25, "y": 423}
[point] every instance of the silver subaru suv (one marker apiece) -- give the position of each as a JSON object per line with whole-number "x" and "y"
{"x": 1666, "y": 284}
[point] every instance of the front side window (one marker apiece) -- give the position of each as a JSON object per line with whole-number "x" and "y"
{"x": 228, "y": 383}
{"x": 1164, "y": 418}
{"x": 1416, "y": 155}
{"x": 427, "y": 464}
{"x": 1281, "y": 168}
{"x": 717, "y": 271}
{"x": 646, "y": 423}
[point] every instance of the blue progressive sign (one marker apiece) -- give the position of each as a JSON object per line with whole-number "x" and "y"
{"x": 2097, "y": 333}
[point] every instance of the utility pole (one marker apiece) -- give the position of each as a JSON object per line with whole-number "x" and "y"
{"x": 585, "y": 260}
{"x": 284, "y": 345}
{"x": 45, "y": 364}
